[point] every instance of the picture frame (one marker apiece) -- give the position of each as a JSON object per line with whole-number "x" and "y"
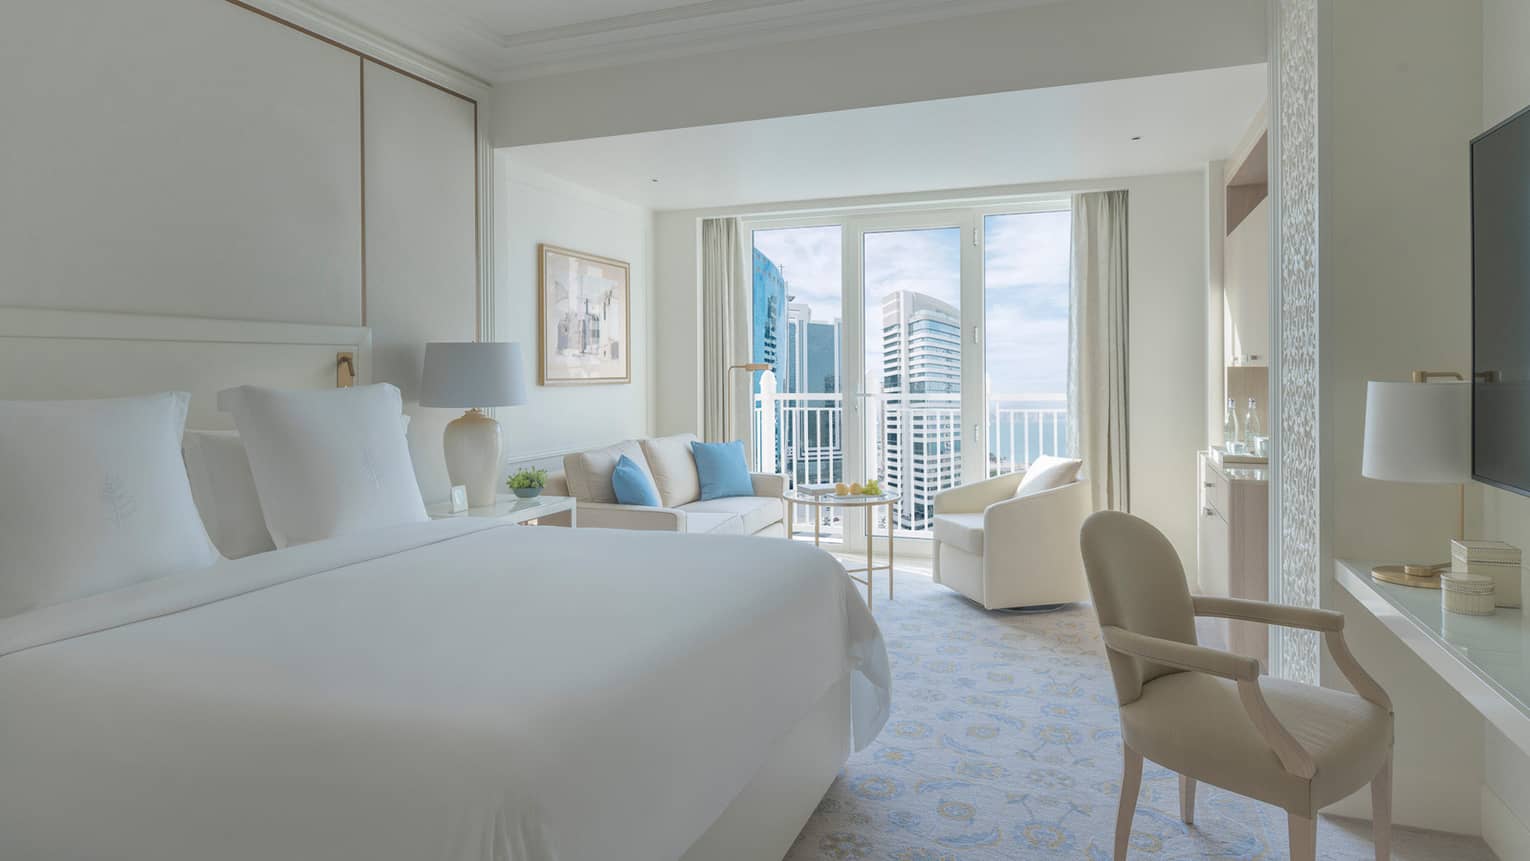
{"x": 584, "y": 318}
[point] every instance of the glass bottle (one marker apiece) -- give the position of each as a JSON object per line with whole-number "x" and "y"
{"x": 1230, "y": 440}
{"x": 1251, "y": 426}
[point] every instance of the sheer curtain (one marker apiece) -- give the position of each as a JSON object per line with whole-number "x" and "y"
{"x": 724, "y": 306}
{"x": 1097, "y": 337}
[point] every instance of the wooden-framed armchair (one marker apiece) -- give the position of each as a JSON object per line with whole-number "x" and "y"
{"x": 1208, "y": 714}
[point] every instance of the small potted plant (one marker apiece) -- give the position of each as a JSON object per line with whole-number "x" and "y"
{"x": 528, "y": 483}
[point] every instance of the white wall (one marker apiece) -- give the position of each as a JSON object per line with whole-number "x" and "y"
{"x": 1505, "y": 516}
{"x": 177, "y": 157}
{"x": 422, "y": 263}
{"x": 533, "y": 207}
{"x": 1047, "y": 45}
{"x": 1404, "y": 96}
{"x": 191, "y": 157}
{"x": 1167, "y": 364}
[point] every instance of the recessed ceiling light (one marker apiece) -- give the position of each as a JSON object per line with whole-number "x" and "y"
{"x": 1134, "y": 137}
{"x": 655, "y": 179}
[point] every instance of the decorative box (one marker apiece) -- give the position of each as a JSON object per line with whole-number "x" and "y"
{"x": 1495, "y": 559}
{"x": 1467, "y": 594}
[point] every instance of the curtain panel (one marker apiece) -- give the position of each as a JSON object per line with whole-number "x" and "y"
{"x": 724, "y": 311}
{"x": 1098, "y": 333}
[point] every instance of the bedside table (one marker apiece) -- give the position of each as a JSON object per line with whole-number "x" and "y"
{"x": 514, "y": 509}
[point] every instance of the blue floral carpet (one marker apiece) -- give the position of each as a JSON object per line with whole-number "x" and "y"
{"x": 1004, "y": 743}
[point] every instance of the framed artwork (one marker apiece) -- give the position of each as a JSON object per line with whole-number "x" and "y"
{"x": 585, "y": 309}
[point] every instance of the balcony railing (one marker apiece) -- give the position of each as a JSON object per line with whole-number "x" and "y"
{"x": 913, "y": 444}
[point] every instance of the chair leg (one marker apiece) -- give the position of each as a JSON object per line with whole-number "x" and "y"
{"x": 1381, "y": 811}
{"x": 1187, "y": 799}
{"x": 1302, "y": 833}
{"x": 1131, "y": 784}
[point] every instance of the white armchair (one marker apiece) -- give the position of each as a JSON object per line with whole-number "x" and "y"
{"x": 1006, "y": 551}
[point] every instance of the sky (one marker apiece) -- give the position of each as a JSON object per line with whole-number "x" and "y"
{"x": 1026, "y": 259}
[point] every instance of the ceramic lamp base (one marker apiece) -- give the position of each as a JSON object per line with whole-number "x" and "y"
{"x": 472, "y": 446}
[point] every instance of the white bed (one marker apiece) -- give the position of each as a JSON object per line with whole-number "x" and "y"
{"x": 437, "y": 691}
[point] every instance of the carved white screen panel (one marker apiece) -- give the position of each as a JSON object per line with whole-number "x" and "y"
{"x": 180, "y": 157}
{"x": 59, "y": 355}
{"x": 1298, "y": 501}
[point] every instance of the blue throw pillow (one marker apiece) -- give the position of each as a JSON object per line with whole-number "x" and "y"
{"x": 632, "y": 484}
{"x": 722, "y": 468}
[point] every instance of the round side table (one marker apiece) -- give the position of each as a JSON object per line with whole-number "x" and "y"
{"x": 794, "y": 498}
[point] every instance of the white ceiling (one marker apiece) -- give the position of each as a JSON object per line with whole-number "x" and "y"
{"x": 502, "y": 40}
{"x": 1077, "y": 132}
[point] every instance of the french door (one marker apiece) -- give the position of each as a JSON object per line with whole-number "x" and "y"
{"x": 932, "y": 355}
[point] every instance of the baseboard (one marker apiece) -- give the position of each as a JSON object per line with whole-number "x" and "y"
{"x": 1504, "y": 832}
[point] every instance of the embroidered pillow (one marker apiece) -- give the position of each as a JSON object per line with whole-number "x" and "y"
{"x": 93, "y": 497}
{"x": 632, "y": 485}
{"x": 722, "y": 469}
{"x": 327, "y": 462}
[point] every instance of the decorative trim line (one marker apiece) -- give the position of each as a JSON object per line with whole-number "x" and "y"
{"x": 713, "y": 26}
{"x": 305, "y": 17}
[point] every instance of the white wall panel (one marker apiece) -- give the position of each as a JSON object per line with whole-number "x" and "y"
{"x": 422, "y": 260}
{"x": 177, "y": 157}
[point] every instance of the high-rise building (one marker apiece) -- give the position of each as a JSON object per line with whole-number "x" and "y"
{"x": 768, "y": 317}
{"x": 814, "y": 430}
{"x": 920, "y": 449}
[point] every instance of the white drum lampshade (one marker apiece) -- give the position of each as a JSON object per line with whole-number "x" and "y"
{"x": 471, "y": 375}
{"x": 1418, "y": 432}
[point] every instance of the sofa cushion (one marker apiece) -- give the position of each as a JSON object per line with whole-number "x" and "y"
{"x": 589, "y": 472}
{"x": 961, "y": 530}
{"x": 713, "y": 523}
{"x": 723, "y": 469}
{"x": 755, "y": 512}
{"x": 673, "y": 468}
{"x": 1048, "y": 473}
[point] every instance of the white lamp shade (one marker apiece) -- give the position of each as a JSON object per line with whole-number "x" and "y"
{"x": 1418, "y": 432}
{"x": 473, "y": 374}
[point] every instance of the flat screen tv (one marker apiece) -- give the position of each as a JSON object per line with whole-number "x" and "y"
{"x": 1500, "y": 160}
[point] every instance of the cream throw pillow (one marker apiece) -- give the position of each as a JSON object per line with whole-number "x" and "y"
{"x": 1048, "y": 472}
{"x": 589, "y": 472}
{"x": 674, "y": 468}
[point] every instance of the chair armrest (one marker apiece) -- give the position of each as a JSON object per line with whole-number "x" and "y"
{"x": 768, "y": 484}
{"x": 973, "y": 498}
{"x": 611, "y": 515}
{"x": 1181, "y": 656}
{"x": 1283, "y": 615}
{"x": 1244, "y": 671}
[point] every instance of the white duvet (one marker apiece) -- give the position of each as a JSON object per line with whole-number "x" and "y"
{"x": 441, "y": 691}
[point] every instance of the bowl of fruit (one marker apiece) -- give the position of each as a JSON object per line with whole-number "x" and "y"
{"x": 872, "y": 487}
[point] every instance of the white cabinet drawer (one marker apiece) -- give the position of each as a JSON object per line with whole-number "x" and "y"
{"x": 1214, "y": 489}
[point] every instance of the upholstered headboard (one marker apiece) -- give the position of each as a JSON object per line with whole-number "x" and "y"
{"x": 54, "y": 355}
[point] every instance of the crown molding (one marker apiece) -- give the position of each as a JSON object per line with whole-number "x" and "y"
{"x": 714, "y": 26}
{"x": 440, "y": 68}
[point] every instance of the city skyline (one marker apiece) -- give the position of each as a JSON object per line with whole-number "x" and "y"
{"x": 1027, "y": 268}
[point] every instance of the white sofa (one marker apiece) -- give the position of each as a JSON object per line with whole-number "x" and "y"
{"x": 1006, "y": 551}
{"x": 668, "y": 461}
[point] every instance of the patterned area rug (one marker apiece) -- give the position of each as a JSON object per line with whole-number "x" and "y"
{"x": 1004, "y": 743}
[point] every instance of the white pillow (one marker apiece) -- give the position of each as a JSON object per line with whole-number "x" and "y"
{"x": 93, "y": 497}
{"x": 674, "y": 468}
{"x": 224, "y": 490}
{"x": 1048, "y": 472}
{"x": 327, "y": 462}
{"x": 225, "y": 494}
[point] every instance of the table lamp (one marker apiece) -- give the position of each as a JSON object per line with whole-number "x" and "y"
{"x": 1419, "y": 432}
{"x": 470, "y": 376}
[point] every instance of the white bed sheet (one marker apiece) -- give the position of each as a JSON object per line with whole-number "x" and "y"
{"x": 439, "y": 691}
